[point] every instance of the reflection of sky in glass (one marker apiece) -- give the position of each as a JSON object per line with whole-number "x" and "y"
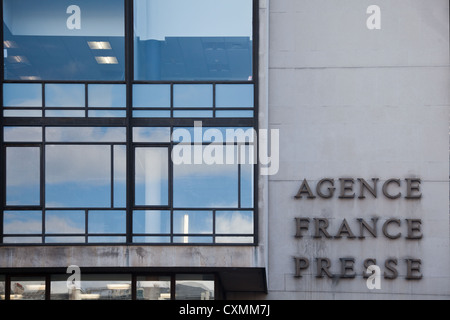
{"x": 234, "y": 95}
{"x": 22, "y": 95}
{"x": 107, "y": 222}
{"x": 151, "y": 95}
{"x": 64, "y": 222}
{"x": 193, "y": 95}
{"x": 64, "y": 95}
{"x": 152, "y": 176}
{"x": 234, "y": 222}
{"x": 23, "y": 176}
{"x": 78, "y": 176}
{"x": 203, "y": 186}
{"x": 22, "y": 222}
{"x": 107, "y": 96}
{"x": 191, "y": 222}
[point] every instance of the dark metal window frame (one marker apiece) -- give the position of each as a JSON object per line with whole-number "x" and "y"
{"x": 129, "y": 123}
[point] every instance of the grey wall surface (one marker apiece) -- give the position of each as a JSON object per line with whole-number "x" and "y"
{"x": 358, "y": 103}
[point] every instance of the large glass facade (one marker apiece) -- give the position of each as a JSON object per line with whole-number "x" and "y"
{"x": 128, "y": 122}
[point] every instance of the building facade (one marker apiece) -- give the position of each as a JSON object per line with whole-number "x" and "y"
{"x": 240, "y": 149}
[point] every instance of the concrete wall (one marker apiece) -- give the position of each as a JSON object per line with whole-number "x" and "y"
{"x": 359, "y": 103}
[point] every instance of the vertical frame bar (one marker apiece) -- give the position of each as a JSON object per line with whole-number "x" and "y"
{"x": 255, "y": 79}
{"x": 2, "y": 149}
{"x": 129, "y": 77}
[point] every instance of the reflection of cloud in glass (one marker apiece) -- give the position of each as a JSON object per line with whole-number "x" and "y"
{"x": 19, "y": 222}
{"x": 85, "y": 134}
{"x": 64, "y": 221}
{"x": 76, "y": 163}
{"x": 22, "y": 95}
{"x": 234, "y": 222}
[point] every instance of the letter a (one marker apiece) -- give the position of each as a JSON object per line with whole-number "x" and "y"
{"x": 374, "y": 21}
{"x": 74, "y": 21}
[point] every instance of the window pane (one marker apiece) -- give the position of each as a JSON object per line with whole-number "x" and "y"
{"x": 85, "y": 134}
{"x": 153, "y": 288}
{"x": 194, "y": 287}
{"x": 65, "y": 113}
{"x": 152, "y": 176}
{"x": 27, "y": 288}
{"x": 22, "y": 134}
{"x": 234, "y": 96}
{"x": 234, "y": 222}
{"x": 23, "y": 176}
{"x": 22, "y": 222}
{"x": 192, "y": 222}
{"x": 92, "y": 287}
{"x": 107, "y": 96}
{"x": 78, "y": 176}
{"x": 192, "y": 96}
{"x": 22, "y": 113}
{"x": 65, "y": 222}
{"x": 205, "y": 185}
{"x": 151, "y": 96}
{"x": 22, "y": 95}
{"x": 187, "y": 50}
{"x": 107, "y": 222}
{"x": 65, "y": 239}
{"x": 120, "y": 177}
{"x": 151, "y": 134}
{"x": 27, "y": 240}
{"x": 63, "y": 40}
{"x": 64, "y": 95}
{"x": 151, "y": 222}
{"x": 151, "y": 114}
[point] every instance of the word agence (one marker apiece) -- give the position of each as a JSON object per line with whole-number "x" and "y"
{"x": 391, "y": 188}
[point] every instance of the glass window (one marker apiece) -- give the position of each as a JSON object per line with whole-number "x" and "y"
{"x": 234, "y": 96}
{"x": 153, "y": 288}
{"x": 107, "y": 96}
{"x": 22, "y": 134}
{"x": 234, "y": 222}
{"x": 152, "y": 176}
{"x": 151, "y": 96}
{"x": 194, "y": 287}
{"x": 22, "y": 95}
{"x": 27, "y": 288}
{"x": 63, "y": 39}
{"x": 92, "y": 287}
{"x": 22, "y": 222}
{"x": 205, "y": 185}
{"x": 119, "y": 176}
{"x": 151, "y": 134}
{"x": 192, "y": 96}
{"x": 107, "y": 222}
{"x": 192, "y": 222}
{"x": 85, "y": 134}
{"x": 23, "y": 176}
{"x": 78, "y": 176}
{"x": 199, "y": 40}
{"x": 151, "y": 222}
{"x": 64, "y": 95}
{"x": 70, "y": 222}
